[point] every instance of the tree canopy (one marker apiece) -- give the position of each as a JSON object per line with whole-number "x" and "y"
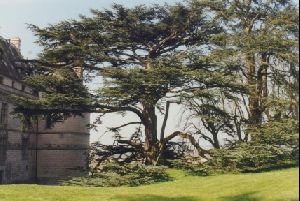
{"x": 220, "y": 58}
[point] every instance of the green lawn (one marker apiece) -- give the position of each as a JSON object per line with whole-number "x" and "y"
{"x": 270, "y": 186}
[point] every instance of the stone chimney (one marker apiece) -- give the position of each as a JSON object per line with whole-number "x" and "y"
{"x": 16, "y": 41}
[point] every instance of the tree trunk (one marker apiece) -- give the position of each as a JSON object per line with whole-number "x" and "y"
{"x": 265, "y": 65}
{"x": 216, "y": 140}
{"x": 254, "y": 100}
{"x": 151, "y": 142}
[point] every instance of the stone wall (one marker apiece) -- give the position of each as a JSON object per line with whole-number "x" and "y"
{"x": 62, "y": 151}
{"x": 46, "y": 156}
{"x": 39, "y": 152}
{"x": 18, "y": 161}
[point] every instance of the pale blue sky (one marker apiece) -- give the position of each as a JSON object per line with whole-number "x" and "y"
{"x": 14, "y": 14}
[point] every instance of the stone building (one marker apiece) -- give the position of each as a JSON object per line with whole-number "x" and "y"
{"x": 40, "y": 153}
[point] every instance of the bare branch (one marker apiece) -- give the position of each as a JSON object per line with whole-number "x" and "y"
{"x": 192, "y": 140}
{"x": 163, "y": 127}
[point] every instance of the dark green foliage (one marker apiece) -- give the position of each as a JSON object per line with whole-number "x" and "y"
{"x": 63, "y": 95}
{"x": 113, "y": 175}
{"x": 274, "y": 145}
{"x": 191, "y": 168}
{"x": 62, "y": 89}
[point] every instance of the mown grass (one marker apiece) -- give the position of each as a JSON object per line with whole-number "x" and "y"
{"x": 280, "y": 185}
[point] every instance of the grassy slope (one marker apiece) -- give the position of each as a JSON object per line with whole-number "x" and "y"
{"x": 270, "y": 186}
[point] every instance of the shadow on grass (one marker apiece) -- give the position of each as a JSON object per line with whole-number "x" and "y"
{"x": 293, "y": 199}
{"x": 250, "y": 196}
{"x": 154, "y": 198}
{"x": 272, "y": 168}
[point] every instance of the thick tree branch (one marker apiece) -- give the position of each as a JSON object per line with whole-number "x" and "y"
{"x": 96, "y": 108}
{"x": 122, "y": 108}
{"x": 124, "y": 125}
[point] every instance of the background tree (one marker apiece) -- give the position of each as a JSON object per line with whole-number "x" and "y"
{"x": 260, "y": 41}
{"x": 213, "y": 123}
{"x": 261, "y": 37}
{"x": 259, "y": 44}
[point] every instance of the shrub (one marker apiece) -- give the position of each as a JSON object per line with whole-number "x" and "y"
{"x": 274, "y": 145}
{"x": 114, "y": 175}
